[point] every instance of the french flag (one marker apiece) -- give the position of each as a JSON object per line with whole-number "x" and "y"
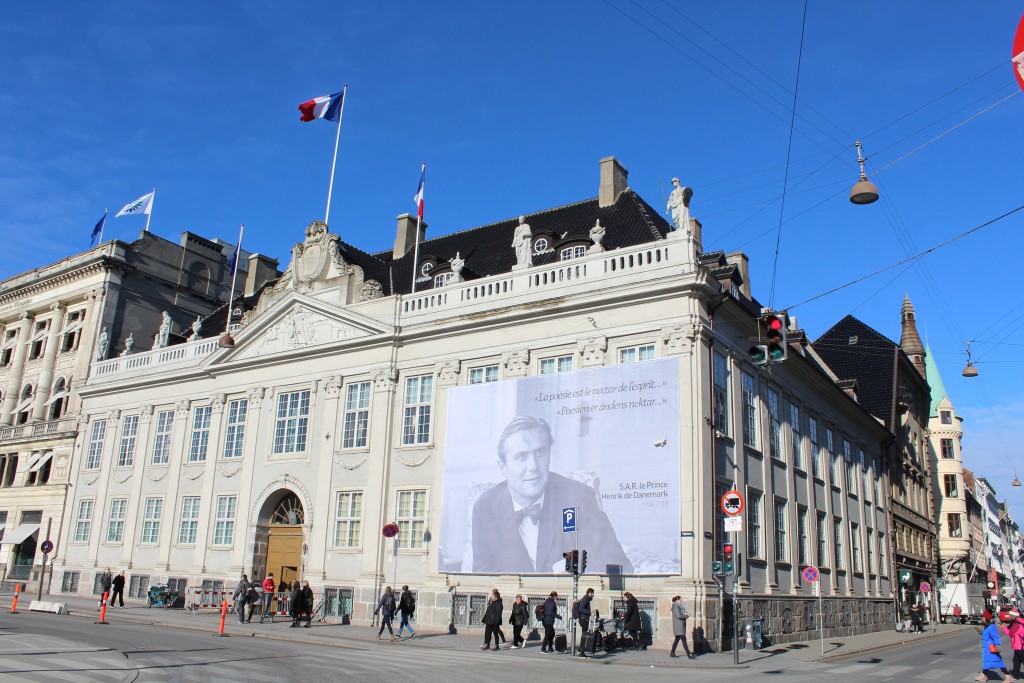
{"x": 418, "y": 197}
{"x": 324, "y": 107}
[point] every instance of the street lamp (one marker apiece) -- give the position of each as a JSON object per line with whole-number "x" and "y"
{"x": 1016, "y": 481}
{"x": 970, "y": 370}
{"x": 864, "y": 191}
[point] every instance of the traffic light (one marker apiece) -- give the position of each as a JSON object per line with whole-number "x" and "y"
{"x": 716, "y": 567}
{"x": 775, "y": 324}
{"x": 758, "y": 354}
{"x": 568, "y": 561}
{"x": 583, "y": 562}
{"x": 572, "y": 561}
{"x": 727, "y": 559}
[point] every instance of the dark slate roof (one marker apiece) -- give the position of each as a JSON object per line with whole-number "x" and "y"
{"x": 214, "y": 324}
{"x": 487, "y": 250}
{"x": 870, "y": 361}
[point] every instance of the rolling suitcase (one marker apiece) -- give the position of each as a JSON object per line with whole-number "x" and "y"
{"x": 560, "y": 643}
{"x": 590, "y": 642}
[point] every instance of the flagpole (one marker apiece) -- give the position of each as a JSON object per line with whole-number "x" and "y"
{"x": 419, "y": 217}
{"x": 103, "y": 225}
{"x": 234, "y": 273}
{"x": 150, "y": 214}
{"x": 334, "y": 162}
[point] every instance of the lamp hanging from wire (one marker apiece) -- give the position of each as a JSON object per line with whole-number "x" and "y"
{"x": 970, "y": 370}
{"x": 864, "y": 191}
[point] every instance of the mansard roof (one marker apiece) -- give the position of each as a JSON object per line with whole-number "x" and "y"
{"x": 487, "y": 249}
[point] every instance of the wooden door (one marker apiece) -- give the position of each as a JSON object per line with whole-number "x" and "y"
{"x": 284, "y": 552}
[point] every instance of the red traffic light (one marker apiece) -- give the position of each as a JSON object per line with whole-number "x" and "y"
{"x": 727, "y": 548}
{"x": 774, "y": 322}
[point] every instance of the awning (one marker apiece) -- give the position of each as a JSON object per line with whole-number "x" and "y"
{"x": 71, "y": 327}
{"x": 33, "y": 459}
{"x": 19, "y": 534}
{"x": 38, "y": 335}
{"x": 24, "y": 404}
{"x": 56, "y": 397}
{"x": 9, "y": 343}
{"x": 42, "y": 461}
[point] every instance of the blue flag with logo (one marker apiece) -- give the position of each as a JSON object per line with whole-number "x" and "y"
{"x": 98, "y": 230}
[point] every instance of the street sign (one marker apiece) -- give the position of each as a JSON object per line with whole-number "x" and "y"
{"x": 46, "y": 546}
{"x": 390, "y": 530}
{"x": 568, "y": 519}
{"x": 925, "y": 586}
{"x": 1017, "y": 53}
{"x": 733, "y": 524}
{"x": 905, "y": 576}
{"x": 810, "y": 574}
{"x": 732, "y": 503}
{"x": 941, "y": 583}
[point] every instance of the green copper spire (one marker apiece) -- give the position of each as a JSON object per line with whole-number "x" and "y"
{"x": 934, "y": 381}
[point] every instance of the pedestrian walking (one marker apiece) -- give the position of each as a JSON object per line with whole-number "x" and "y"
{"x": 295, "y": 604}
{"x": 241, "y": 597}
{"x": 915, "y": 619}
{"x": 386, "y": 608}
{"x": 549, "y": 614}
{"x": 582, "y": 615}
{"x": 407, "y": 606}
{"x": 492, "y": 620}
{"x": 990, "y": 657}
{"x": 1015, "y": 629}
{"x": 631, "y": 621}
{"x": 106, "y": 581}
{"x": 118, "y": 590}
{"x": 679, "y": 617}
{"x": 307, "y": 602}
{"x": 905, "y": 617}
{"x": 519, "y": 618}
{"x": 268, "y": 596}
{"x": 958, "y": 614}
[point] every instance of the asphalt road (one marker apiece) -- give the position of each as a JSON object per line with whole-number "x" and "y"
{"x": 46, "y": 647}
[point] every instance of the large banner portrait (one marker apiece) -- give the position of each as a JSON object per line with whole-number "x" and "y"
{"x": 605, "y": 441}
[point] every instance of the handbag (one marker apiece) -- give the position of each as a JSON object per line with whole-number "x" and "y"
{"x": 993, "y": 649}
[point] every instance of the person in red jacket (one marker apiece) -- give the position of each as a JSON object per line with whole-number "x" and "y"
{"x": 268, "y": 595}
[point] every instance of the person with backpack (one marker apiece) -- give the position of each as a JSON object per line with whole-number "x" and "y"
{"x": 519, "y": 618}
{"x": 386, "y": 607}
{"x": 241, "y": 597}
{"x": 546, "y": 614}
{"x": 492, "y": 620}
{"x": 581, "y": 612}
{"x": 407, "y": 605}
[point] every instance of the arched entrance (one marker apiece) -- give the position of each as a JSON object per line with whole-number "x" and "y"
{"x": 279, "y": 536}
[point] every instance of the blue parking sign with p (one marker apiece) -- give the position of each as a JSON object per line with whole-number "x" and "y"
{"x": 569, "y": 519}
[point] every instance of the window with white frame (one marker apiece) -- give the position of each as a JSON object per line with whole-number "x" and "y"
{"x": 234, "y": 437}
{"x": 880, "y": 539}
{"x": 224, "y": 520}
{"x": 749, "y": 410}
{"x": 200, "y": 434}
{"x": 412, "y": 518}
{"x": 851, "y": 470}
{"x": 837, "y": 532}
{"x": 483, "y": 375}
{"x": 803, "y": 542}
{"x": 83, "y": 521}
{"x": 865, "y": 469}
{"x": 855, "y": 545}
{"x": 348, "y": 519}
{"x": 419, "y": 392}
{"x": 822, "y": 540}
{"x": 570, "y": 253}
{"x": 356, "y": 419}
{"x": 635, "y": 354}
{"x": 755, "y": 533}
{"x": 812, "y": 434}
{"x": 151, "y": 520}
{"x": 549, "y": 366}
{"x": 794, "y": 430}
{"x": 115, "y": 524}
{"x": 95, "y": 452}
{"x": 832, "y": 457}
{"x": 126, "y": 451}
{"x": 441, "y": 279}
{"x": 292, "y": 422}
{"x": 162, "y": 437}
{"x": 774, "y": 425}
{"x": 781, "y": 554}
{"x": 189, "y": 520}
{"x": 722, "y": 405}
{"x": 869, "y": 546}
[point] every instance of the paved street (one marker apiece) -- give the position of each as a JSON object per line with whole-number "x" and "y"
{"x": 165, "y": 645}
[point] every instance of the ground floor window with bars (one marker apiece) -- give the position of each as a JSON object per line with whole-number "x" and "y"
{"x": 177, "y": 585}
{"x": 561, "y": 605}
{"x": 648, "y": 617}
{"x": 97, "y": 584}
{"x": 69, "y": 582}
{"x": 138, "y": 586}
{"x": 337, "y": 602}
{"x": 212, "y": 585}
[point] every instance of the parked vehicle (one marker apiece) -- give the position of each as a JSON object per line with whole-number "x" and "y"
{"x": 968, "y": 596}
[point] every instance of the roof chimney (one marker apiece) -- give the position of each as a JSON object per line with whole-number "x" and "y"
{"x": 740, "y": 260}
{"x": 261, "y": 270}
{"x": 613, "y": 181}
{"x": 405, "y": 238}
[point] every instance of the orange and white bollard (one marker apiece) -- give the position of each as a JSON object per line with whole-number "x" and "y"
{"x": 223, "y": 616}
{"x": 14, "y": 605}
{"x": 103, "y": 610}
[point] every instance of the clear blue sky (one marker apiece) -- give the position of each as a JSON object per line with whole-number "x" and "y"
{"x": 512, "y": 104}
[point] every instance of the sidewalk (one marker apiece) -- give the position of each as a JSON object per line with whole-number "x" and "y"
{"x": 365, "y": 637}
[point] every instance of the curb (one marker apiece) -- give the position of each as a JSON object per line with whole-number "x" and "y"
{"x": 828, "y": 659}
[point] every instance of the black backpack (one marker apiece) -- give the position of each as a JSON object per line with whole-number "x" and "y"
{"x": 408, "y": 603}
{"x": 576, "y": 609}
{"x": 538, "y": 611}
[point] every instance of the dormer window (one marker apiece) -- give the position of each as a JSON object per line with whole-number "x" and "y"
{"x": 425, "y": 268}
{"x": 570, "y": 253}
{"x": 442, "y": 278}
{"x": 540, "y": 245}
{"x": 946, "y": 417}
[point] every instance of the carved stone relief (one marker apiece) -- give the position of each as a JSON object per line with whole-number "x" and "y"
{"x": 384, "y": 378}
{"x": 332, "y": 386}
{"x": 448, "y": 372}
{"x": 414, "y": 458}
{"x": 516, "y": 362}
{"x": 592, "y": 349}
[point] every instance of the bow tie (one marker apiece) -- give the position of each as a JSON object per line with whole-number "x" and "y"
{"x": 532, "y": 511}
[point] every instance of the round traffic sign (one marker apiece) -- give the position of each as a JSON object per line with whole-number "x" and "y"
{"x": 810, "y": 574}
{"x": 1017, "y": 54}
{"x": 46, "y": 546}
{"x": 390, "y": 530}
{"x": 925, "y": 586}
{"x": 732, "y": 503}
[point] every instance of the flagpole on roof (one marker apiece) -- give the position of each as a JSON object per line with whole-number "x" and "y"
{"x": 334, "y": 162}
{"x": 419, "y": 219}
{"x": 149, "y": 214}
{"x": 103, "y": 224}
{"x": 234, "y": 274}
